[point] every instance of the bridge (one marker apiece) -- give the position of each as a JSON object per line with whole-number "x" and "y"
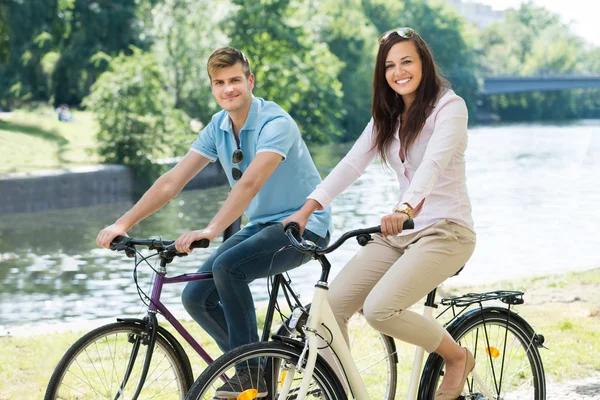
{"x": 516, "y": 84}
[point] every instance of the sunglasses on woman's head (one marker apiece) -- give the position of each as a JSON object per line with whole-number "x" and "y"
{"x": 405, "y": 33}
{"x": 236, "y": 158}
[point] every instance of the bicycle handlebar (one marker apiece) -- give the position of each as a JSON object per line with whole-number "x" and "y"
{"x": 292, "y": 230}
{"x": 127, "y": 244}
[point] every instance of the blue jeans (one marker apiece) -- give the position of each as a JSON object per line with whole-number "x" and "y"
{"x": 224, "y": 306}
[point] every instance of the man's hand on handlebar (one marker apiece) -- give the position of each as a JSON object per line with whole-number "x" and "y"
{"x": 391, "y": 224}
{"x": 107, "y": 235}
{"x": 298, "y": 217}
{"x": 184, "y": 241}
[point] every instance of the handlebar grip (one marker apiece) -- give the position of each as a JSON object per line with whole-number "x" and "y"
{"x": 200, "y": 244}
{"x": 293, "y": 228}
{"x": 119, "y": 243}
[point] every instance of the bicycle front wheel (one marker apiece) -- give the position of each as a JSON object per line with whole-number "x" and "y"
{"x": 507, "y": 359}
{"x": 278, "y": 367}
{"x": 107, "y": 363}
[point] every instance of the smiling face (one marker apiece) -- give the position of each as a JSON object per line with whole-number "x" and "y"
{"x": 232, "y": 88}
{"x": 404, "y": 70}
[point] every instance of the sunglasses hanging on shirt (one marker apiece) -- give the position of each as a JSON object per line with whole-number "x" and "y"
{"x": 236, "y": 158}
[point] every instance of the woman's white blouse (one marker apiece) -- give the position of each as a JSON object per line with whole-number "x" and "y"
{"x": 434, "y": 168}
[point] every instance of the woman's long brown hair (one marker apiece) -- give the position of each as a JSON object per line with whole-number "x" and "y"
{"x": 387, "y": 105}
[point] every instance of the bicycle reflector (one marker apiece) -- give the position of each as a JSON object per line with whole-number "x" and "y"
{"x": 249, "y": 394}
{"x": 492, "y": 352}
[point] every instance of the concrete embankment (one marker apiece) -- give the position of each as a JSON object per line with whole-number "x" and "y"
{"x": 82, "y": 187}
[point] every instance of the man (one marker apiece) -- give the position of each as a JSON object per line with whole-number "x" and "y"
{"x": 271, "y": 173}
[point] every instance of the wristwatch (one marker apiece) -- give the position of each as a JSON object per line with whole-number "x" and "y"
{"x": 405, "y": 209}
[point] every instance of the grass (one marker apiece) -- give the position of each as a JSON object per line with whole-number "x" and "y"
{"x": 564, "y": 308}
{"x": 33, "y": 139}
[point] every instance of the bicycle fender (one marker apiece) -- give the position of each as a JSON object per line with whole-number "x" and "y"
{"x": 500, "y": 310}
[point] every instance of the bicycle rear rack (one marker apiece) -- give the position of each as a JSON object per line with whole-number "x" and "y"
{"x": 511, "y": 297}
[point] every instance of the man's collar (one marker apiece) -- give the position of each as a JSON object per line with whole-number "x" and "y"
{"x": 251, "y": 119}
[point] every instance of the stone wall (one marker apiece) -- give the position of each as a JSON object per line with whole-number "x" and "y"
{"x": 81, "y": 187}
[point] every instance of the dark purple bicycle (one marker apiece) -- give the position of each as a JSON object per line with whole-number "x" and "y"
{"x": 137, "y": 358}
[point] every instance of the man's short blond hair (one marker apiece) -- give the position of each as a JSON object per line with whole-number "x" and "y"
{"x": 227, "y": 57}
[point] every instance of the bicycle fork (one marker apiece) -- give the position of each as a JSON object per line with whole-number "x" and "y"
{"x": 151, "y": 327}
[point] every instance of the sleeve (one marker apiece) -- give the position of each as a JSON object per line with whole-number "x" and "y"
{"x": 205, "y": 143}
{"x": 450, "y": 129}
{"x": 277, "y": 136}
{"x": 348, "y": 170}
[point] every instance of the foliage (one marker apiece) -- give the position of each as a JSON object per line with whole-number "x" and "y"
{"x": 27, "y": 30}
{"x": 138, "y": 123}
{"x": 4, "y": 38}
{"x": 110, "y": 27}
{"x": 313, "y": 57}
{"x": 444, "y": 33}
{"x": 184, "y": 33}
{"x": 534, "y": 49}
{"x": 291, "y": 70}
{"x": 351, "y": 37}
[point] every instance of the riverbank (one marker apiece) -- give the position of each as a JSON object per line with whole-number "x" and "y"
{"x": 564, "y": 308}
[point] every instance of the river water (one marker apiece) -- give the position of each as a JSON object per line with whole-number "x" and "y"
{"x": 534, "y": 190}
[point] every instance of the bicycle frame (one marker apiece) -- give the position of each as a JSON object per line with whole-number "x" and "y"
{"x": 156, "y": 306}
{"x": 321, "y": 314}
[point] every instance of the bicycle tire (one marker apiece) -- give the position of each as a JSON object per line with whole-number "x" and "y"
{"x": 484, "y": 332}
{"x": 327, "y": 384}
{"x": 94, "y": 366}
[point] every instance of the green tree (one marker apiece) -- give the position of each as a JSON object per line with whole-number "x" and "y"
{"x": 445, "y": 33}
{"x": 138, "y": 122}
{"x": 350, "y": 36}
{"x": 4, "y": 38}
{"x": 532, "y": 41}
{"x": 184, "y": 33}
{"x": 97, "y": 27}
{"x": 28, "y": 30}
{"x": 291, "y": 69}
{"x": 526, "y": 43}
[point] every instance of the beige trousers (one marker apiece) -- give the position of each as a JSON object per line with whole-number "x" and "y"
{"x": 391, "y": 274}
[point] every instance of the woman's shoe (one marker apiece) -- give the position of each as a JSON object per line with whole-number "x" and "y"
{"x": 454, "y": 393}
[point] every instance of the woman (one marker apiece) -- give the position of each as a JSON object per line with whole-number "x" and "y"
{"x": 419, "y": 128}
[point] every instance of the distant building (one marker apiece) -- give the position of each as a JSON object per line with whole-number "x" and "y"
{"x": 481, "y": 15}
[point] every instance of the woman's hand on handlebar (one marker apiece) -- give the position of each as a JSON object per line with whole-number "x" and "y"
{"x": 183, "y": 242}
{"x": 107, "y": 235}
{"x": 391, "y": 224}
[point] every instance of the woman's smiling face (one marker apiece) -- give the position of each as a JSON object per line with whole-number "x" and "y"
{"x": 403, "y": 70}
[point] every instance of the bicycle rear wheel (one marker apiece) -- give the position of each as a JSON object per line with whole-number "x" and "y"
{"x": 506, "y": 354}
{"x": 278, "y": 361}
{"x": 95, "y": 367}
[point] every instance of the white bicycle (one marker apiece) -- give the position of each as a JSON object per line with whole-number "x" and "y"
{"x": 505, "y": 347}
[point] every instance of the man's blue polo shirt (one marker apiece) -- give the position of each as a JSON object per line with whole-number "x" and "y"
{"x": 267, "y": 128}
